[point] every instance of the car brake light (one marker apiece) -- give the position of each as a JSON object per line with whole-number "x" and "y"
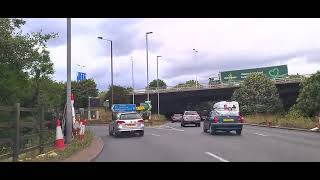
{"x": 241, "y": 119}
{"x": 141, "y": 121}
{"x": 215, "y": 119}
{"x": 120, "y": 122}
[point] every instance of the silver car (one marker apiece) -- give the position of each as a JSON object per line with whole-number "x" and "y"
{"x": 128, "y": 122}
{"x": 190, "y": 117}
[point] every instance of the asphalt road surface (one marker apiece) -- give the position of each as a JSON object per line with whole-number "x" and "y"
{"x": 172, "y": 143}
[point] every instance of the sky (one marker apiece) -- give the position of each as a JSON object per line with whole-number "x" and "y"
{"x": 222, "y": 44}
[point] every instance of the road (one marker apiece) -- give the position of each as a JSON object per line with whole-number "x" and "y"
{"x": 172, "y": 143}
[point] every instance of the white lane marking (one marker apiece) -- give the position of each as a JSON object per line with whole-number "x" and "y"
{"x": 155, "y": 134}
{"x": 217, "y": 157}
{"x": 174, "y": 128}
{"x": 261, "y": 134}
{"x": 168, "y": 128}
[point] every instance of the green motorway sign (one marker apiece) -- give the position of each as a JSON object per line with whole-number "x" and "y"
{"x": 239, "y": 75}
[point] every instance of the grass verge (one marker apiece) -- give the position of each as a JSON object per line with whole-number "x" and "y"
{"x": 56, "y": 155}
{"x": 283, "y": 121}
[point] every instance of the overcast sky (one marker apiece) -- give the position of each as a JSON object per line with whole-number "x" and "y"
{"x": 222, "y": 44}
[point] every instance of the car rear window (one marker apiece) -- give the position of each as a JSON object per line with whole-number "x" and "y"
{"x": 227, "y": 113}
{"x": 130, "y": 116}
{"x": 191, "y": 113}
{"x": 177, "y": 115}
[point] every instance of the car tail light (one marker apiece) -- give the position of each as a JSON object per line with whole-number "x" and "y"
{"x": 241, "y": 119}
{"x": 215, "y": 119}
{"x": 141, "y": 121}
{"x": 120, "y": 122}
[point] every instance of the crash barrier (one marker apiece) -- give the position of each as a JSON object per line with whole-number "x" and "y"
{"x": 213, "y": 86}
{"x": 23, "y": 130}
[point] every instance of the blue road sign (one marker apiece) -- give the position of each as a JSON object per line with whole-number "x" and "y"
{"x": 81, "y": 76}
{"x": 123, "y": 107}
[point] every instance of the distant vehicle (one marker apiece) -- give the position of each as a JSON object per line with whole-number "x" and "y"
{"x": 190, "y": 117}
{"x": 176, "y": 118}
{"x": 225, "y": 116}
{"x": 127, "y": 122}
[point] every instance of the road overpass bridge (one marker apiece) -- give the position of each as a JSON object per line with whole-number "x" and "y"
{"x": 173, "y": 100}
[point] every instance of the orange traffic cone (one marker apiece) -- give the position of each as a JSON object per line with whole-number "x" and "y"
{"x": 59, "y": 143}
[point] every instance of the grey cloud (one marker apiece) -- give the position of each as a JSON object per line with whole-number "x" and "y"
{"x": 209, "y": 64}
{"x": 126, "y": 37}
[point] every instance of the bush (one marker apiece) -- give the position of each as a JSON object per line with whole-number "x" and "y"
{"x": 308, "y": 102}
{"x": 258, "y": 94}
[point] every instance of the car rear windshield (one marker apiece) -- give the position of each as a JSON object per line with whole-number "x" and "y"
{"x": 191, "y": 113}
{"x": 177, "y": 115}
{"x": 130, "y": 116}
{"x": 227, "y": 113}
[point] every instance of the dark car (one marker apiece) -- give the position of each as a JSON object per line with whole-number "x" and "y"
{"x": 228, "y": 121}
{"x": 176, "y": 118}
{"x": 190, "y": 117}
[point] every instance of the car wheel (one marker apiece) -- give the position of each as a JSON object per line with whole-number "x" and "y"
{"x": 204, "y": 129}
{"x": 141, "y": 133}
{"x": 239, "y": 132}
{"x": 182, "y": 124}
{"x": 110, "y": 132}
{"x": 212, "y": 131}
{"x": 199, "y": 125}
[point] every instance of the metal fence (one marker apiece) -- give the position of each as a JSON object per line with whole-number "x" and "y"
{"x": 24, "y": 130}
{"x": 214, "y": 86}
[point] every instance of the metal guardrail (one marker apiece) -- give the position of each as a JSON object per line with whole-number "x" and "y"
{"x": 214, "y": 86}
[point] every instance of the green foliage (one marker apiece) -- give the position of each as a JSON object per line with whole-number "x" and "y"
{"x": 153, "y": 84}
{"x": 120, "y": 94}
{"x": 258, "y": 94}
{"x": 24, "y": 59}
{"x": 308, "y": 102}
{"x": 82, "y": 90}
{"x": 188, "y": 84}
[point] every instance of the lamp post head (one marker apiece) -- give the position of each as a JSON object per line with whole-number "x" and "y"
{"x": 149, "y": 32}
{"x": 99, "y": 37}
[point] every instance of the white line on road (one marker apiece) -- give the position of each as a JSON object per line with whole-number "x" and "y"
{"x": 217, "y": 157}
{"x": 261, "y": 134}
{"x": 155, "y": 134}
{"x": 174, "y": 128}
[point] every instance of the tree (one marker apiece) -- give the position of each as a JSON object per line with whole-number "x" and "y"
{"x": 23, "y": 58}
{"x": 188, "y": 84}
{"x": 258, "y": 94}
{"x": 153, "y": 84}
{"x": 82, "y": 90}
{"x": 120, "y": 94}
{"x": 308, "y": 101}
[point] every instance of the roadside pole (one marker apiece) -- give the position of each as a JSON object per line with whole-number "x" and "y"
{"x": 69, "y": 118}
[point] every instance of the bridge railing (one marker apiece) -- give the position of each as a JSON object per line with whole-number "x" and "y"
{"x": 288, "y": 79}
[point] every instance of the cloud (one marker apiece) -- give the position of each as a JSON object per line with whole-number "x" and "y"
{"x": 223, "y": 44}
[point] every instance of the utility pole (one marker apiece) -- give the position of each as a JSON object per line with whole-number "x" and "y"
{"x": 69, "y": 115}
{"x": 132, "y": 81}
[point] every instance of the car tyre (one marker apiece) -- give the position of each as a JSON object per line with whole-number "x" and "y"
{"x": 204, "y": 129}
{"x": 141, "y": 133}
{"x": 212, "y": 131}
{"x": 110, "y": 132}
{"x": 182, "y": 125}
{"x": 239, "y": 132}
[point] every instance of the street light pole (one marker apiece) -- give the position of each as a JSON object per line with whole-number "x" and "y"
{"x": 111, "y": 54}
{"x": 69, "y": 115}
{"x": 195, "y": 55}
{"x": 158, "y": 85}
{"x": 111, "y": 73}
{"x": 132, "y": 81}
{"x": 147, "y": 64}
